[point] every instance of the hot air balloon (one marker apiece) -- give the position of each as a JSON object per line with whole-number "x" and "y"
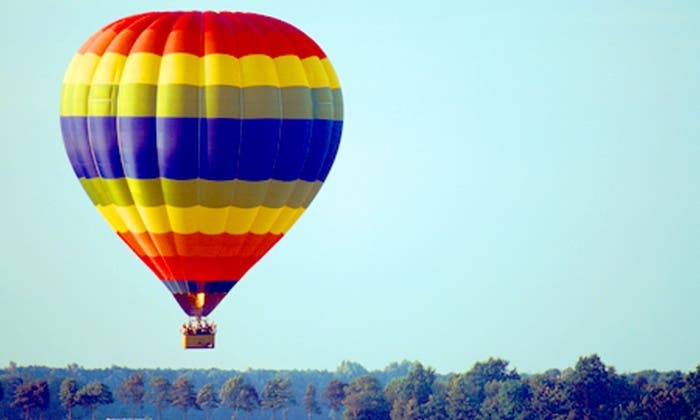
{"x": 201, "y": 137}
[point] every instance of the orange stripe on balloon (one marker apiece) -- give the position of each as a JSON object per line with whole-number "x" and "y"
{"x": 198, "y": 256}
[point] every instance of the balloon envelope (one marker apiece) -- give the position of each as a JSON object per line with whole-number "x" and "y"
{"x": 201, "y": 137}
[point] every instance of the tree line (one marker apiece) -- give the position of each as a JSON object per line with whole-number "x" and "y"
{"x": 406, "y": 391}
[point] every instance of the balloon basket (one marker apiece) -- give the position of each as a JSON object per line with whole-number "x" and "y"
{"x": 198, "y": 341}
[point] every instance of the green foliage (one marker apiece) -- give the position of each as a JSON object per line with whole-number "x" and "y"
{"x": 489, "y": 390}
{"x": 661, "y": 402}
{"x": 335, "y": 393}
{"x": 548, "y": 397}
{"x": 349, "y": 370}
{"x": 42, "y": 395}
{"x": 31, "y": 395}
{"x": 278, "y": 393}
{"x": 160, "y": 394}
{"x": 69, "y": 387}
{"x": 596, "y": 391}
{"x": 93, "y": 395}
{"x": 207, "y": 398}
{"x": 365, "y": 400}
{"x": 435, "y": 408}
{"x": 132, "y": 391}
{"x": 310, "y": 402}
{"x": 182, "y": 395}
{"x": 466, "y": 392}
{"x": 419, "y": 384}
{"x": 510, "y": 399}
{"x": 229, "y": 391}
{"x": 460, "y": 404}
{"x": 691, "y": 391}
{"x": 415, "y": 396}
{"x": 588, "y": 386}
{"x": 24, "y": 398}
{"x": 239, "y": 394}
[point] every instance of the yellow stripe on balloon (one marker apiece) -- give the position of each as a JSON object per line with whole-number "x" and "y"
{"x": 212, "y": 221}
{"x": 181, "y": 68}
{"x": 334, "y": 83}
{"x": 258, "y": 70}
{"x": 141, "y": 68}
{"x": 74, "y": 99}
{"x": 316, "y": 72}
{"x": 71, "y": 69}
{"x": 81, "y": 68}
{"x": 210, "y": 70}
{"x": 122, "y": 219}
{"x": 290, "y": 71}
{"x": 109, "y": 69}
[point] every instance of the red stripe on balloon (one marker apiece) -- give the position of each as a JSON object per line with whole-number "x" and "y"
{"x": 198, "y": 256}
{"x": 200, "y": 268}
{"x": 233, "y": 33}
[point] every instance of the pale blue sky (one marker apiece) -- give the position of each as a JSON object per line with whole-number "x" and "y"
{"x": 515, "y": 179}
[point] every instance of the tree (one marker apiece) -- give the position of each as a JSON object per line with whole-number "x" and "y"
{"x": 596, "y": 391}
{"x": 434, "y": 409}
{"x": 587, "y": 386}
{"x": 509, "y": 399}
{"x": 93, "y": 395}
{"x": 665, "y": 402}
{"x": 73, "y": 368}
{"x": 691, "y": 391}
{"x": 548, "y": 398}
{"x": 393, "y": 390}
{"x": 32, "y": 395}
{"x": 160, "y": 395}
{"x": 349, "y": 370}
{"x": 335, "y": 394}
{"x": 309, "y": 401}
{"x": 248, "y": 399}
{"x": 410, "y": 396}
{"x": 12, "y": 368}
{"x": 132, "y": 391}
{"x": 25, "y": 398}
{"x": 10, "y": 384}
{"x": 419, "y": 384}
{"x": 239, "y": 395}
{"x": 207, "y": 399}
{"x": 42, "y": 397}
{"x": 466, "y": 392}
{"x": 278, "y": 394}
{"x": 365, "y": 400}
{"x": 69, "y": 387}
{"x": 229, "y": 393}
{"x": 457, "y": 402}
{"x": 183, "y": 395}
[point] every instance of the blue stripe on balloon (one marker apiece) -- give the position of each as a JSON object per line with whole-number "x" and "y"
{"x": 336, "y": 131}
{"x": 137, "y": 145}
{"x": 209, "y": 148}
{"x": 75, "y": 140}
{"x": 105, "y": 150}
{"x": 185, "y": 286}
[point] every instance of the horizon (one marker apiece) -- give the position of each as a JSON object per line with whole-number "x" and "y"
{"x": 344, "y": 365}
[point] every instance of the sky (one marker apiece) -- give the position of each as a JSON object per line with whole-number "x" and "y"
{"x": 516, "y": 181}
